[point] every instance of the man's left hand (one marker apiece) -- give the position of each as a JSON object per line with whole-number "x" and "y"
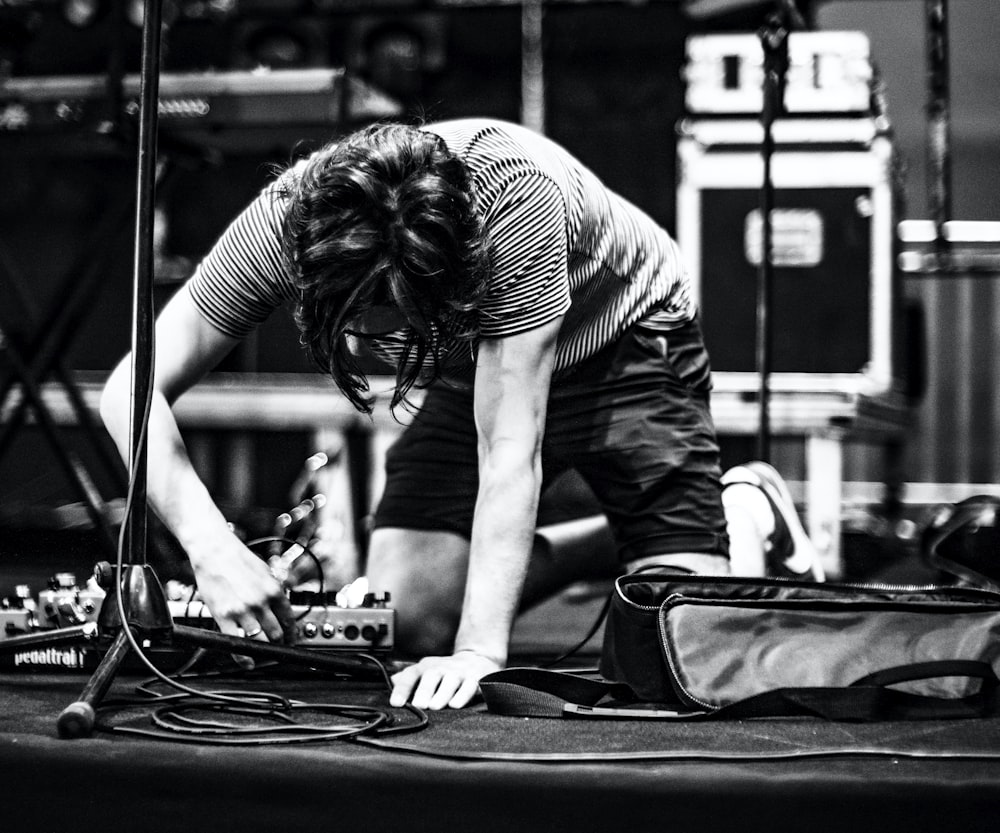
{"x": 440, "y": 682}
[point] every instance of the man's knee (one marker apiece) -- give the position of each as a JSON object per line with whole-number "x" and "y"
{"x": 424, "y": 572}
{"x": 699, "y": 563}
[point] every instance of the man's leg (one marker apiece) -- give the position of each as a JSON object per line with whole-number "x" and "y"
{"x": 700, "y": 563}
{"x": 424, "y": 571}
{"x": 583, "y": 548}
{"x": 634, "y": 421}
{"x": 758, "y": 544}
{"x": 749, "y": 523}
{"x": 771, "y": 538}
{"x": 425, "y": 574}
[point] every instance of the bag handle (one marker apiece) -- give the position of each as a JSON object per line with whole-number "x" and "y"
{"x": 870, "y": 698}
{"x": 982, "y": 703}
{"x": 931, "y": 670}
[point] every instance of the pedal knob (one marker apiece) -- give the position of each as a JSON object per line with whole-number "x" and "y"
{"x": 62, "y": 581}
{"x": 309, "y": 630}
{"x": 376, "y": 599}
{"x": 104, "y": 574}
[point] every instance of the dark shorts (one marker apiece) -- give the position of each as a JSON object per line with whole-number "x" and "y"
{"x": 633, "y": 421}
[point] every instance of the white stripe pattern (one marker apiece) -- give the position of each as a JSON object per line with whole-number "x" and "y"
{"x": 562, "y": 243}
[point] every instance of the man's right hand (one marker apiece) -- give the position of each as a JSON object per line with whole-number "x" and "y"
{"x": 245, "y": 599}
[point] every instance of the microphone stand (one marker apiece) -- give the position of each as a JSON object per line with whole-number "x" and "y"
{"x": 774, "y": 40}
{"x": 939, "y": 122}
{"x": 135, "y": 598}
{"x": 145, "y": 608}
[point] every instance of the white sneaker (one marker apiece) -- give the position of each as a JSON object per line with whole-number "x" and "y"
{"x": 790, "y": 552}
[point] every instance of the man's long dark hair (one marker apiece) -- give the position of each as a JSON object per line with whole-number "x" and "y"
{"x": 386, "y": 216}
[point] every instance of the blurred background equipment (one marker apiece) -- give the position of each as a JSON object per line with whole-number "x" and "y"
{"x": 962, "y": 539}
{"x": 837, "y": 189}
{"x": 609, "y": 80}
{"x": 208, "y": 111}
{"x": 833, "y": 366}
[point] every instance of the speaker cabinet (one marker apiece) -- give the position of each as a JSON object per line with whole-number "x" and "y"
{"x": 833, "y": 297}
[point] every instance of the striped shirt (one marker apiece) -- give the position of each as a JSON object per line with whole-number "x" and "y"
{"x": 561, "y": 243}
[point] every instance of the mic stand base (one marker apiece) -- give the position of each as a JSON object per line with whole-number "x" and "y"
{"x": 149, "y": 618}
{"x": 77, "y": 720}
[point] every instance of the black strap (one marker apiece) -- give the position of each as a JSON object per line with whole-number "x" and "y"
{"x": 535, "y": 692}
{"x": 538, "y": 692}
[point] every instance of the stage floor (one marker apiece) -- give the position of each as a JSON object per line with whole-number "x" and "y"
{"x": 472, "y": 770}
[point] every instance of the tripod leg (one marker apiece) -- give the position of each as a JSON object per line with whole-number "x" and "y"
{"x": 63, "y": 636}
{"x": 25, "y": 311}
{"x": 77, "y": 719}
{"x": 71, "y": 464}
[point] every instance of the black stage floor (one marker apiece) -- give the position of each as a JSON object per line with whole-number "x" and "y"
{"x": 472, "y": 770}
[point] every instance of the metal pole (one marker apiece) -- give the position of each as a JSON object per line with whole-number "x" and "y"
{"x": 938, "y": 117}
{"x": 774, "y": 40}
{"x": 532, "y": 66}
{"x": 142, "y": 284}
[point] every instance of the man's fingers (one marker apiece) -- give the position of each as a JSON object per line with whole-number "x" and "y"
{"x": 464, "y": 695}
{"x": 268, "y": 628}
{"x": 430, "y": 684}
{"x": 261, "y": 625}
{"x": 448, "y": 686}
{"x": 427, "y": 688}
{"x": 301, "y": 570}
{"x": 284, "y": 627}
{"x": 402, "y": 685}
{"x": 273, "y": 621}
{"x": 230, "y": 628}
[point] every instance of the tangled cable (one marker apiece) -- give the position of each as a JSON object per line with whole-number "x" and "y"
{"x": 245, "y": 718}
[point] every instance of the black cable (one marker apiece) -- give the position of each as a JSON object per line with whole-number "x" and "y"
{"x": 367, "y": 720}
{"x": 594, "y": 628}
{"x": 173, "y": 725}
{"x": 170, "y": 717}
{"x": 281, "y": 539}
{"x": 603, "y": 612}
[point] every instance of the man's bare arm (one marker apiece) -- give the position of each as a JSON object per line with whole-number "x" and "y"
{"x": 235, "y": 584}
{"x": 512, "y": 386}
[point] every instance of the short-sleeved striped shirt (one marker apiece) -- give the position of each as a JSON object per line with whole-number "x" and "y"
{"x": 561, "y": 242}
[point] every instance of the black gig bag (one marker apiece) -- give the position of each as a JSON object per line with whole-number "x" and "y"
{"x": 759, "y": 647}
{"x": 704, "y": 647}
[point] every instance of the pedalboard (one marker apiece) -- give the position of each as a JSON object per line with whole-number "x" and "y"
{"x": 321, "y": 624}
{"x": 62, "y": 604}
